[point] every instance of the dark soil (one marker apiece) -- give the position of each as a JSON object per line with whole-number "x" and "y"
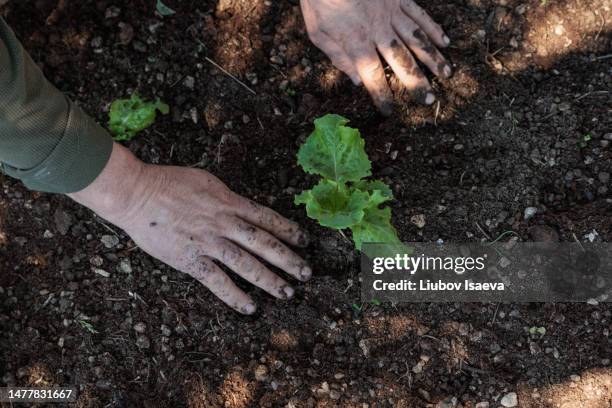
{"x": 532, "y": 79}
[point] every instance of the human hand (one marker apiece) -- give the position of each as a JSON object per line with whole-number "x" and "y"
{"x": 187, "y": 218}
{"x": 350, "y": 32}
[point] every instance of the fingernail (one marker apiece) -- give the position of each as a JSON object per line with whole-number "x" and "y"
{"x": 446, "y": 39}
{"x": 386, "y": 108}
{"x": 429, "y": 98}
{"x": 289, "y": 292}
{"x": 448, "y": 71}
{"x": 249, "y": 308}
{"x": 303, "y": 239}
{"x": 306, "y": 272}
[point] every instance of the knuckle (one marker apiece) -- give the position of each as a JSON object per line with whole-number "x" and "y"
{"x": 230, "y": 254}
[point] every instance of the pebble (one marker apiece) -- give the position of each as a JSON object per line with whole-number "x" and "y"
{"x": 275, "y": 59}
{"x": 166, "y": 331}
{"x": 125, "y": 266}
{"x": 483, "y": 404}
{"x": 509, "y": 400}
{"x": 126, "y": 33}
{"x": 104, "y": 384}
{"x": 140, "y": 327}
{"x": 450, "y": 402}
{"x": 604, "y": 177}
{"x": 608, "y": 136}
{"x": 529, "y": 212}
{"x": 109, "y": 241}
{"x": 189, "y": 82}
{"x": 63, "y": 221}
{"x": 418, "y": 220}
{"x": 261, "y": 373}
{"x": 101, "y": 272}
{"x": 143, "y": 342}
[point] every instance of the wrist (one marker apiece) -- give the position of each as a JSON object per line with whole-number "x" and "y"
{"x": 114, "y": 193}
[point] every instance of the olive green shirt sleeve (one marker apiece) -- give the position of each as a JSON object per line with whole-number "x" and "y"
{"x": 46, "y": 141}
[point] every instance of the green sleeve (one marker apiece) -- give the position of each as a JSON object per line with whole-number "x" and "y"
{"x": 45, "y": 140}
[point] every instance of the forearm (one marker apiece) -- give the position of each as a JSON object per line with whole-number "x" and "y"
{"x": 45, "y": 140}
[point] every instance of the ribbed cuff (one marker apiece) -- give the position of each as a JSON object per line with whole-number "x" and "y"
{"x": 79, "y": 157}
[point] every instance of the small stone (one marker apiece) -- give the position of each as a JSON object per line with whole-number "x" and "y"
{"x": 125, "y": 266}
{"x": 189, "y": 82}
{"x": 101, "y": 272}
{"x": 63, "y": 221}
{"x": 140, "y": 327}
{"x": 109, "y": 241}
{"x": 450, "y": 402}
{"x": 604, "y": 177}
{"x": 126, "y": 33}
{"x": 48, "y": 234}
{"x": 483, "y": 404}
{"x": 166, "y": 331}
{"x": 509, "y": 400}
{"x": 261, "y": 373}
{"x": 275, "y": 59}
{"x": 529, "y": 212}
{"x": 96, "y": 260}
{"x": 143, "y": 342}
{"x": 104, "y": 384}
{"x": 575, "y": 377}
{"x": 608, "y": 137}
{"x": 335, "y": 395}
{"x": 418, "y": 220}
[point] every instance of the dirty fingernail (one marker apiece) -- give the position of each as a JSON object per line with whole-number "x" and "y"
{"x": 446, "y": 40}
{"x": 386, "y": 108}
{"x": 429, "y": 98}
{"x": 249, "y": 308}
{"x": 303, "y": 239}
{"x": 448, "y": 71}
{"x": 306, "y": 272}
{"x": 289, "y": 292}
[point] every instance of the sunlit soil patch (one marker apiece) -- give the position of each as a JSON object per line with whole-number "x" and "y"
{"x": 592, "y": 389}
{"x": 394, "y": 327}
{"x": 236, "y": 391}
{"x": 283, "y": 340}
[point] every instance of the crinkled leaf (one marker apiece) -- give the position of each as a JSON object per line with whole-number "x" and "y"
{"x": 334, "y": 205}
{"x": 379, "y": 191}
{"x": 334, "y": 151}
{"x": 163, "y": 9}
{"x": 375, "y": 227}
{"x": 127, "y": 117}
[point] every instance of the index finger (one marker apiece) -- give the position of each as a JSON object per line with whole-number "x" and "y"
{"x": 271, "y": 221}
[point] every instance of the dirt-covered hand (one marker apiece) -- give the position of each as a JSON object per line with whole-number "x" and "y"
{"x": 188, "y": 219}
{"x": 351, "y": 31}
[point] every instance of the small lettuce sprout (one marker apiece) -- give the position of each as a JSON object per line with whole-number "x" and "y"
{"x": 127, "y": 117}
{"x": 343, "y": 198}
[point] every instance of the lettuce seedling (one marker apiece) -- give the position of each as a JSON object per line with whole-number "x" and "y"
{"x": 129, "y": 116}
{"x": 343, "y": 198}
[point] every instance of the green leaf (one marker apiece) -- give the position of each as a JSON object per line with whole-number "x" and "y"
{"x": 127, "y": 117}
{"x": 378, "y": 190}
{"x": 334, "y": 205}
{"x": 163, "y": 9}
{"x": 375, "y": 227}
{"x": 334, "y": 151}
